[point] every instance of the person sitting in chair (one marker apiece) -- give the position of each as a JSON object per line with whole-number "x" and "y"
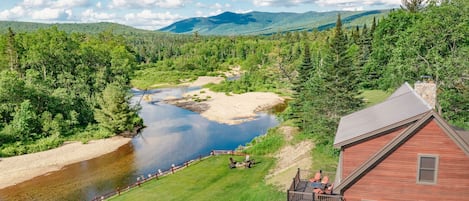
{"x": 316, "y": 180}
{"x": 324, "y": 188}
{"x": 232, "y": 163}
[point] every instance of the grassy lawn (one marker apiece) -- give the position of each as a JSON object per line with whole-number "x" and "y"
{"x": 211, "y": 179}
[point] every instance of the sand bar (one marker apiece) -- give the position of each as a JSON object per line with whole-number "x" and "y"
{"x": 17, "y": 169}
{"x": 226, "y": 108}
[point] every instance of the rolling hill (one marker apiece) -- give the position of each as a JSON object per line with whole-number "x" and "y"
{"x": 265, "y": 23}
{"x": 91, "y": 28}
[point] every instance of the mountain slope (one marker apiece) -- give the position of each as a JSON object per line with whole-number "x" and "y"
{"x": 91, "y": 28}
{"x": 229, "y": 23}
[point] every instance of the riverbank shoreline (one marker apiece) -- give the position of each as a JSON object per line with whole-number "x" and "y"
{"x": 225, "y": 108}
{"x": 18, "y": 169}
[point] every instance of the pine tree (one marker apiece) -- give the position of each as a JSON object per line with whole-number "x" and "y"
{"x": 115, "y": 113}
{"x": 413, "y": 6}
{"x": 12, "y": 50}
{"x": 305, "y": 71}
{"x": 342, "y": 76}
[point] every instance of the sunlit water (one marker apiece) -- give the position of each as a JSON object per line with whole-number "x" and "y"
{"x": 172, "y": 136}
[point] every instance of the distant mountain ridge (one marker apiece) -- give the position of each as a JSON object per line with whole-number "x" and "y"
{"x": 91, "y": 28}
{"x": 255, "y": 23}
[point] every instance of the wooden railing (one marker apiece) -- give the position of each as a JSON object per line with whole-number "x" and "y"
{"x": 157, "y": 174}
{"x": 294, "y": 194}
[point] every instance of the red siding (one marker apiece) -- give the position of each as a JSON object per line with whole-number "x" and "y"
{"x": 395, "y": 177}
{"x": 355, "y": 155}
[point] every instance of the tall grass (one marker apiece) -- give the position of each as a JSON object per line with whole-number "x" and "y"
{"x": 269, "y": 143}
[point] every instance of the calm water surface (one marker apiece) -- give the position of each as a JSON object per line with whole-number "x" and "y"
{"x": 172, "y": 135}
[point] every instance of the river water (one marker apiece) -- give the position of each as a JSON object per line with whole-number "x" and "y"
{"x": 173, "y": 135}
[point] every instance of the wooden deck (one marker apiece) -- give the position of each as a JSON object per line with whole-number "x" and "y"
{"x": 301, "y": 190}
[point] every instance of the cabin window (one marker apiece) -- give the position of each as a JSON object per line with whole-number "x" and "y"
{"x": 427, "y": 169}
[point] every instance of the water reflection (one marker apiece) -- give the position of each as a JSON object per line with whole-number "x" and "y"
{"x": 172, "y": 135}
{"x": 78, "y": 181}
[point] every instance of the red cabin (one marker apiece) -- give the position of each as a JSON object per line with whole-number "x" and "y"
{"x": 401, "y": 149}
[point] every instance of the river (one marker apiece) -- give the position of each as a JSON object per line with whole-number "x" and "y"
{"x": 172, "y": 136}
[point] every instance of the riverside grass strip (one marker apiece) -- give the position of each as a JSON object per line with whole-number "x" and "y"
{"x": 210, "y": 179}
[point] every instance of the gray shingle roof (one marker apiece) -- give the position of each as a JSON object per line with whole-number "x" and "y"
{"x": 402, "y": 105}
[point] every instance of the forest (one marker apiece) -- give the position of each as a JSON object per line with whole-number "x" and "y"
{"x": 57, "y": 86}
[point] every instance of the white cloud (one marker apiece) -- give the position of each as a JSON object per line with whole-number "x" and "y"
{"x": 216, "y": 12}
{"x": 284, "y": 3}
{"x": 90, "y": 15}
{"x": 243, "y": 11}
{"x": 351, "y": 8}
{"x": 199, "y": 13}
{"x": 14, "y": 13}
{"x": 34, "y": 3}
{"x": 147, "y": 19}
{"x": 65, "y": 4}
{"x": 51, "y": 14}
{"x": 99, "y": 4}
{"x": 357, "y": 5}
{"x": 335, "y": 3}
{"x": 147, "y": 3}
{"x": 68, "y": 3}
{"x": 216, "y": 6}
{"x": 200, "y": 5}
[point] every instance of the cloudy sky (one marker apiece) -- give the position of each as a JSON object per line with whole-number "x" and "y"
{"x": 155, "y": 14}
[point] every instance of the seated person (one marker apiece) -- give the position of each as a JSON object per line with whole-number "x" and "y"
{"x": 325, "y": 187}
{"x": 232, "y": 163}
{"x": 316, "y": 178}
{"x": 316, "y": 181}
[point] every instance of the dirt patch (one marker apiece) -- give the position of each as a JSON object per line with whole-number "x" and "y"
{"x": 289, "y": 159}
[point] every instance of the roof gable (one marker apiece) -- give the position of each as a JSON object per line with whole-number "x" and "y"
{"x": 459, "y": 138}
{"x": 400, "y": 108}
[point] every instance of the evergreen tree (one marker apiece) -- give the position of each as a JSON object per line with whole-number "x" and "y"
{"x": 305, "y": 69}
{"x": 115, "y": 113}
{"x": 342, "y": 78}
{"x": 413, "y": 6}
{"x": 12, "y": 50}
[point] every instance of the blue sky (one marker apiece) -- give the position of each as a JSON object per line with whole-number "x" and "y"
{"x": 155, "y": 14}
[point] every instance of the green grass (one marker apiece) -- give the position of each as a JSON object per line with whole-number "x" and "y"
{"x": 211, "y": 179}
{"x": 373, "y": 97}
{"x": 266, "y": 144}
{"x": 148, "y": 78}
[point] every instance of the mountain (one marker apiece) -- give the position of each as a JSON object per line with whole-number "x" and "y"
{"x": 91, "y": 28}
{"x": 266, "y": 23}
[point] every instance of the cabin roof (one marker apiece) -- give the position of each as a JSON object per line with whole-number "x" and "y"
{"x": 459, "y": 137}
{"x": 463, "y": 134}
{"x": 402, "y": 107}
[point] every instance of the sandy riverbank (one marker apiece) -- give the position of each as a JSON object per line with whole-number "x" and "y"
{"x": 21, "y": 168}
{"x": 226, "y": 108}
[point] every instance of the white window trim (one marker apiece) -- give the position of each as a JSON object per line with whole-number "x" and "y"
{"x": 437, "y": 162}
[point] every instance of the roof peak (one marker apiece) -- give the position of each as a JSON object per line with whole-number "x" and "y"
{"x": 402, "y": 105}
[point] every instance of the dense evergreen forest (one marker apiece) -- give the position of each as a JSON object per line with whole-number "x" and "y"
{"x": 58, "y": 86}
